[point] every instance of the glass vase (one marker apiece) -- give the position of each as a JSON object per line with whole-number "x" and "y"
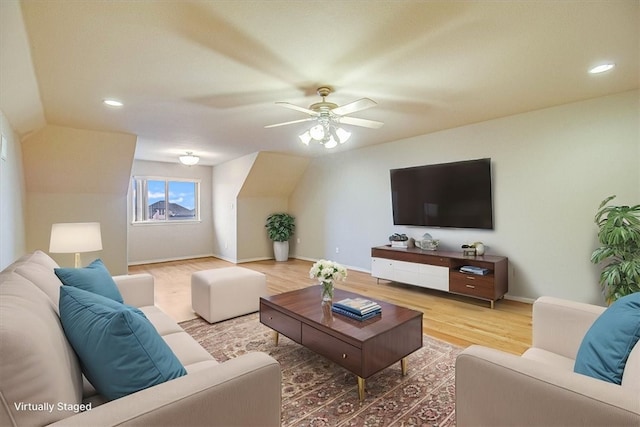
{"x": 327, "y": 291}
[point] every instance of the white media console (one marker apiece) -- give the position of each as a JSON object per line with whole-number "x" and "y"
{"x": 440, "y": 270}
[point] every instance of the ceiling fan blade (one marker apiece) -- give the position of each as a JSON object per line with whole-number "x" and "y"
{"x": 360, "y": 122}
{"x": 290, "y": 123}
{"x": 302, "y": 109}
{"x": 355, "y": 106}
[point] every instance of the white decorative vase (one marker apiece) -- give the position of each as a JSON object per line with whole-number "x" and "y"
{"x": 281, "y": 250}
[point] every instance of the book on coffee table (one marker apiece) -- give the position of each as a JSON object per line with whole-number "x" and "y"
{"x": 358, "y": 306}
{"x": 355, "y": 316}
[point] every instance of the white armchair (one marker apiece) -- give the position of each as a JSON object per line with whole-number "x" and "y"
{"x": 539, "y": 388}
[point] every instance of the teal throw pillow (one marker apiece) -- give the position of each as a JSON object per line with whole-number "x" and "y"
{"x": 606, "y": 346}
{"x": 93, "y": 278}
{"x": 119, "y": 349}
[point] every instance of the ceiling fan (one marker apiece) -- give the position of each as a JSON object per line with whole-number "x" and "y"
{"x": 328, "y": 117}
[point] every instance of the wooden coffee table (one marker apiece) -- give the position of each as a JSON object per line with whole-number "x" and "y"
{"x": 362, "y": 347}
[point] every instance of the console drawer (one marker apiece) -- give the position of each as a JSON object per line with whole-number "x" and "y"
{"x": 345, "y": 355}
{"x": 469, "y": 284}
{"x": 279, "y": 322}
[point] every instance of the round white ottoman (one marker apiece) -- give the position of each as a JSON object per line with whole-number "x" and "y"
{"x": 223, "y": 293}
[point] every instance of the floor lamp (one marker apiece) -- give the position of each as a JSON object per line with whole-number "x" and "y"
{"x": 74, "y": 238}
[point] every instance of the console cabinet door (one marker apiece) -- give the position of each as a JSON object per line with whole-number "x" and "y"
{"x": 382, "y": 268}
{"x": 406, "y": 272}
{"x": 434, "y": 277}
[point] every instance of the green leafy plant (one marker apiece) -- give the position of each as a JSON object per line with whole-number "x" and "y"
{"x": 619, "y": 236}
{"x": 280, "y": 226}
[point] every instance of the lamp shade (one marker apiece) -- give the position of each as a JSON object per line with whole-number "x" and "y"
{"x": 75, "y": 237}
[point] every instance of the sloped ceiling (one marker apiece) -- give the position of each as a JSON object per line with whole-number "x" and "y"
{"x": 273, "y": 175}
{"x": 19, "y": 92}
{"x": 204, "y": 75}
{"x": 63, "y": 160}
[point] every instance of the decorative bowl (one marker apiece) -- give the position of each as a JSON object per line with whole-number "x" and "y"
{"x": 427, "y": 244}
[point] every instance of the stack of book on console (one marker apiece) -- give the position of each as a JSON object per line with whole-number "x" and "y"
{"x": 357, "y": 308}
{"x": 474, "y": 270}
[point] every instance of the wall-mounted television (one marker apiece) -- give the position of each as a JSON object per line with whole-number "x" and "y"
{"x": 454, "y": 194}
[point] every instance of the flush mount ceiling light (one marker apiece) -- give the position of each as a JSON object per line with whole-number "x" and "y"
{"x": 601, "y": 68}
{"x": 327, "y": 117}
{"x": 189, "y": 159}
{"x": 112, "y": 102}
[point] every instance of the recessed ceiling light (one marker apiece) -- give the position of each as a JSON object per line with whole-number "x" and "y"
{"x": 601, "y": 68}
{"x": 113, "y": 103}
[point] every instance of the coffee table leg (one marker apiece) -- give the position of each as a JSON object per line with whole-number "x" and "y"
{"x": 361, "y": 388}
{"x": 403, "y": 365}
{"x": 276, "y": 336}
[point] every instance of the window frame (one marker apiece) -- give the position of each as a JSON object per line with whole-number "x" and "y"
{"x": 139, "y": 186}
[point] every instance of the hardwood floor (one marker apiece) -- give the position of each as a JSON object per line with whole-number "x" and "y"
{"x": 456, "y": 319}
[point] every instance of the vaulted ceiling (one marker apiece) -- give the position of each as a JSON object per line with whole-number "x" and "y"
{"x": 204, "y": 76}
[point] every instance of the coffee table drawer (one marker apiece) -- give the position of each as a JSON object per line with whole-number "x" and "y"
{"x": 345, "y": 355}
{"x": 277, "y": 321}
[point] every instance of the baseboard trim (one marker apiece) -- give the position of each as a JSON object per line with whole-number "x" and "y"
{"x": 159, "y": 260}
{"x": 520, "y": 299}
{"x": 240, "y": 261}
{"x": 224, "y": 258}
{"x": 348, "y": 267}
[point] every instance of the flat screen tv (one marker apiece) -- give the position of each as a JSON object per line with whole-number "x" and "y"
{"x": 443, "y": 195}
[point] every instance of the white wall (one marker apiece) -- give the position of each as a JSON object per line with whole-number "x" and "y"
{"x": 266, "y": 190}
{"x": 177, "y": 240}
{"x": 228, "y": 179}
{"x": 12, "y": 198}
{"x": 77, "y": 175}
{"x": 551, "y": 169}
{"x": 253, "y": 242}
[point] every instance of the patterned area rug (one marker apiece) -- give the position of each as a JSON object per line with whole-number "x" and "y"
{"x": 316, "y": 392}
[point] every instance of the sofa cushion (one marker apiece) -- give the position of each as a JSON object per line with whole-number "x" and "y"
{"x": 187, "y": 350}
{"x": 549, "y": 358}
{"x": 37, "y": 257}
{"x": 607, "y": 344}
{"x": 37, "y": 364}
{"x": 120, "y": 351}
{"x": 44, "y": 278}
{"x": 41, "y": 258}
{"x": 93, "y": 278}
{"x": 164, "y": 324}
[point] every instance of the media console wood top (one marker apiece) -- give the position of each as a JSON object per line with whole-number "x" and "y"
{"x": 395, "y": 264}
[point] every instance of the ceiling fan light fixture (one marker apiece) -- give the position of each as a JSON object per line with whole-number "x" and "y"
{"x": 327, "y": 117}
{"x": 343, "y": 135}
{"x": 331, "y": 143}
{"x": 317, "y": 132}
{"x": 189, "y": 159}
{"x": 305, "y": 137}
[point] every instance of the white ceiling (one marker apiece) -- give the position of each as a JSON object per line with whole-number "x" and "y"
{"x": 204, "y": 76}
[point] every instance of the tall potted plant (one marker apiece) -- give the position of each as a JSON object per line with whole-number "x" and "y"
{"x": 280, "y": 227}
{"x": 619, "y": 236}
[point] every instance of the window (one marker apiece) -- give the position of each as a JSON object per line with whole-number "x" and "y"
{"x": 164, "y": 200}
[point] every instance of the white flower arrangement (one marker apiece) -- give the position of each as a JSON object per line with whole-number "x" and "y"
{"x": 328, "y": 271}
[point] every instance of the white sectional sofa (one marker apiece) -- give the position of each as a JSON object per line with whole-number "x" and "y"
{"x": 41, "y": 382}
{"x": 540, "y": 388}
